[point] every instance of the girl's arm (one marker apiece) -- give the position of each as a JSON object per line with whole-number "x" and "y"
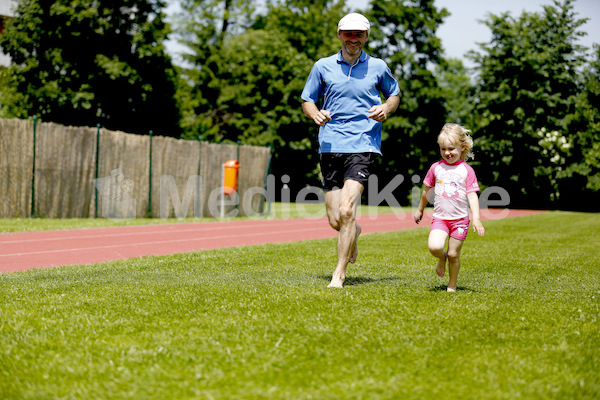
{"x": 474, "y": 204}
{"x": 422, "y": 204}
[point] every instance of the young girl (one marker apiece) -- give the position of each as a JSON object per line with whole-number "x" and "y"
{"x": 455, "y": 183}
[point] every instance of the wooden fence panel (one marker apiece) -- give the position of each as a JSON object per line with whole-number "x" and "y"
{"x": 16, "y": 167}
{"x": 254, "y": 162}
{"x": 123, "y": 175}
{"x": 175, "y": 184}
{"x": 67, "y": 184}
{"x": 65, "y": 157}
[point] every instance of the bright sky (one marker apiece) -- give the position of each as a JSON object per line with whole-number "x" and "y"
{"x": 461, "y": 31}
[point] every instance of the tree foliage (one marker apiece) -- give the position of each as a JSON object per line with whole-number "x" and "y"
{"x": 580, "y": 170}
{"x": 528, "y": 95}
{"x": 90, "y": 61}
{"x": 202, "y": 27}
{"x": 456, "y": 87}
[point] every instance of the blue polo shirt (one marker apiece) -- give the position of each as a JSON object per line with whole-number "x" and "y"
{"x": 347, "y": 92}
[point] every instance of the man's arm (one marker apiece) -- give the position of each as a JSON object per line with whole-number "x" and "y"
{"x": 380, "y": 113}
{"x": 320, "y": 117}
{"x": 392, "y": 103}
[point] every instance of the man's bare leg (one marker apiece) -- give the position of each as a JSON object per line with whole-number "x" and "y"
{"x": 343, "y": 255}
{"x": 349, "y": 198}
{"x": 355, "y": 247}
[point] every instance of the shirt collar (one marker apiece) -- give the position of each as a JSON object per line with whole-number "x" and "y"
{"x": 456, "y": 163}
{"x": 361, "y": 58}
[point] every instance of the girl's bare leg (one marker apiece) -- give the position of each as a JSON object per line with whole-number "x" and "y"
{"x": 454, "y": 247}
{"x": 436, "y": 243}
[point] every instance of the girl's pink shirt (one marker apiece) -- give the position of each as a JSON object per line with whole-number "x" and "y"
{"x": 452, "y": 183}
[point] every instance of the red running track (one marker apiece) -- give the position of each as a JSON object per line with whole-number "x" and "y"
{"x": 26, "y": 250}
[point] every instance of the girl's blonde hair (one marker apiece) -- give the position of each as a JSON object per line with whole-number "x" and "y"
{"x": 458, "y": 135}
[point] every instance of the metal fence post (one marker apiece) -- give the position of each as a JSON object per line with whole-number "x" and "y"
{"x": 238, "y": 159}
{"x": 33, "y": 170}
{"x": 268, "y": 171}
{"x": 150, "y": 180}
{"x": 97, "y": 169}
{"x": 198, "y": 209}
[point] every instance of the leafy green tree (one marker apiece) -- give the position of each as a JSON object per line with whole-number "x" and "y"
{"x": 527, "y": 95}
{"x": 309, "y": 26}
{"x": 89, "y": 62}
{"x": 260, "y": 75}
{"x": 578, "y": 180}
{"x": 202, "y": 27}
{"x": 456, "y": 87}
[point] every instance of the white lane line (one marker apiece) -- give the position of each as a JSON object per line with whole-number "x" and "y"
{"x": 158, "y": 242}
{"x": 138, "y": 233}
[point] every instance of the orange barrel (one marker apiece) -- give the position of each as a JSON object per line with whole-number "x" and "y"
{"x": 230, "y": 176}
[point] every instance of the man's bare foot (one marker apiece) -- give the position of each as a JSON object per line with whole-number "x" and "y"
{"x": 355, "y": 250}
{"x": 441, "y": 267}
{"x": 337, "y": 282}
{"x": 451, "y": 289}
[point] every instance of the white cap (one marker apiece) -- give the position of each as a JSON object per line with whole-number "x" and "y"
{"x": 354, "y": 22}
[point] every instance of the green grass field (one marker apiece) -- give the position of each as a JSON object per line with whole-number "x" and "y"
{"x": 259, "y": 323}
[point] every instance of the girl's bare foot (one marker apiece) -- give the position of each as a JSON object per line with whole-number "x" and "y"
{"x": 355, "y": 250}
{"x": 441, "y": 267}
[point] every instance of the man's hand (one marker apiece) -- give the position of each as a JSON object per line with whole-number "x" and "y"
{"x": 321, "y": 117}
{"x": 378, "y": 113}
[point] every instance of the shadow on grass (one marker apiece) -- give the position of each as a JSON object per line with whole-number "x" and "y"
{"x": 444, "y": 288}
{"x": 358, "y": 280}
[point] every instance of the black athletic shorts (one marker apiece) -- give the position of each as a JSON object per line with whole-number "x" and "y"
{"x": 337, "y": 167}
